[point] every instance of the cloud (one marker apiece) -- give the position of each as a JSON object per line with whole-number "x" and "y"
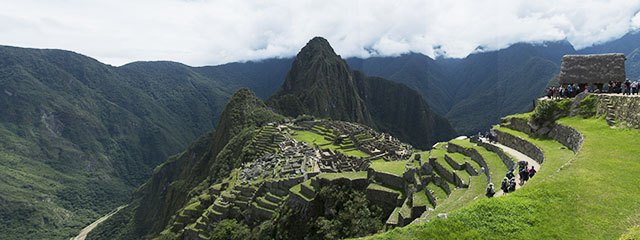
{"x": 201, "y": 32}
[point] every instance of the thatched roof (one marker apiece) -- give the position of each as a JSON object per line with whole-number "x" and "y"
{"x": 595, "y": 68}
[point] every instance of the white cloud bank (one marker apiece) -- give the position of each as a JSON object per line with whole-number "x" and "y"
{"x": 201, "y": 32}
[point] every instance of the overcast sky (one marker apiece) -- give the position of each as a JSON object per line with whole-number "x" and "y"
{"x": 202, "y": 32}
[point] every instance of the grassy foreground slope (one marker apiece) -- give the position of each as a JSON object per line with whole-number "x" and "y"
{"x": 589, "y": 195}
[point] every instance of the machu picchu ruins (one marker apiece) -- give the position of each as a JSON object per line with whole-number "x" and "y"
{"x": 295, "y": 159}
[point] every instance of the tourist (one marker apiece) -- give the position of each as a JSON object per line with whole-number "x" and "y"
{"x": 524, "y": 175}
{"x": 510, "y": 174}
{"x": 627, "y": 87}
{"x": 493, "y": 137}
{"x": 634, "y": 86}
{"x": 512, "y": 184}
{"x": 490, "y": 190}
{"x": 532, "y": 171}
{"x": 618, "y": 87}
{"x": 505, "y": 185}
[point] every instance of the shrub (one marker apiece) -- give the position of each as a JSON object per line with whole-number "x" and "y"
{"x": 304, "y": 117}
{"x": 230, "y": 229}
{"x": 588, "y": 106}
{"x": 549, "y": 111}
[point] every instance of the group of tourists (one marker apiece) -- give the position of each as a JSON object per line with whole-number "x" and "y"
{"x": 509, "y": 181}
{"x": 563, "y": 91}
{"x": 627, "y": 87}
{"x": 490, "y": 135}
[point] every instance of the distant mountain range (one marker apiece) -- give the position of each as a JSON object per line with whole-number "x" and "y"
{"x": 78, "y": 136}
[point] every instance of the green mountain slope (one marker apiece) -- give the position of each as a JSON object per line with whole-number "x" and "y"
{"x": 474, "y": 92}
{"x": 263, "y": 77}
{"x": 587, "y": 195}
{"x": 79, "y": 135}
{"x": 207, "y": 160}
{"x": 417, "y": 71}
{"x": 492, "y": 85}
{"x": 400, "y": 110}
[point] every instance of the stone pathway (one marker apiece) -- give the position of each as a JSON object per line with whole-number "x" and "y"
{"x": 85, "y": 231}
{"x": 518, "y": 157}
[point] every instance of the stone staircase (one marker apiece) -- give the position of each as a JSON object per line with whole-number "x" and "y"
{"x": 610, "y": 116}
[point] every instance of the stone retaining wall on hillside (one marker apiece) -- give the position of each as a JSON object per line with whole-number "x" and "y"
{"x": 387, "y": 179}
{"x": 518, "y": 124}
{"x": 357, "y": 183}
{"x": 506, "y": 159}
{"x": 455, "y": 165}
{"x": 444, "y": 173}
{"x": 384, "y": 199}
{"x": 472, "y": 153}
{"x": 438, "y": 181}
{"x": 520, "y": 145}
{"x": 626, "y": 109}
{"x": 567, "y": 136}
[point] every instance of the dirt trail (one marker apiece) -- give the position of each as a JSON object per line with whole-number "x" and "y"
{"x": 518, "y": 157}
{"x": 85, "y": 231}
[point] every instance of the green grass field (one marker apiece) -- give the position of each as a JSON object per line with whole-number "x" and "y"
{"x": 590, "y": 195}
{"x": 348, "y": 175}
{"x": 319, "y": 140}
{"x": 392, "y": 167}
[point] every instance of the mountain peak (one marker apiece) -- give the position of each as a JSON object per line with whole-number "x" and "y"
{"x": 315, "y": 48}
{"x": 320, "y": 84}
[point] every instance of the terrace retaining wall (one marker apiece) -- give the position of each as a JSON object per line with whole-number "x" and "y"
{"x": 625, "y": 109}
{"x": 520, "y": 145}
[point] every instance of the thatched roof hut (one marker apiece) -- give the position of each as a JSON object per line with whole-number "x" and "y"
{"x": 592, "y": 69}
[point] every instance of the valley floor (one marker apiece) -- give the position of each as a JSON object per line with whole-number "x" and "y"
{"x": 85, "y": 231}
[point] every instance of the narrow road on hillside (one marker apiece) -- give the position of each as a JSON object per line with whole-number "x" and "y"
{"x": 518, "y": 157}
{"x": 85, "y": 231}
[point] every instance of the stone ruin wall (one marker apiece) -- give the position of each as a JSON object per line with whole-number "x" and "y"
{"x": 567, "y": 136}
{"x": 384, "y": 199}
{"x": 390, "y": 180}
{"x": 520, "y": 145}
{"x": 506, "y": 159}
{"x": 444, "y": 173}
{"x": 473, "y": 154}
{"x": 626, "y": 109}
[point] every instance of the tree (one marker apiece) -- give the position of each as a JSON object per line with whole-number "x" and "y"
{"x": 230, "y": 229}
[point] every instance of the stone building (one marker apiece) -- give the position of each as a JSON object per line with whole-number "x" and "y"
{"x": 593, "y": 70}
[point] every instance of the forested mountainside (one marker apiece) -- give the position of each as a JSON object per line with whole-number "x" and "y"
{"x": 206, "y": 161}
{"x": 77, "y": 136}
